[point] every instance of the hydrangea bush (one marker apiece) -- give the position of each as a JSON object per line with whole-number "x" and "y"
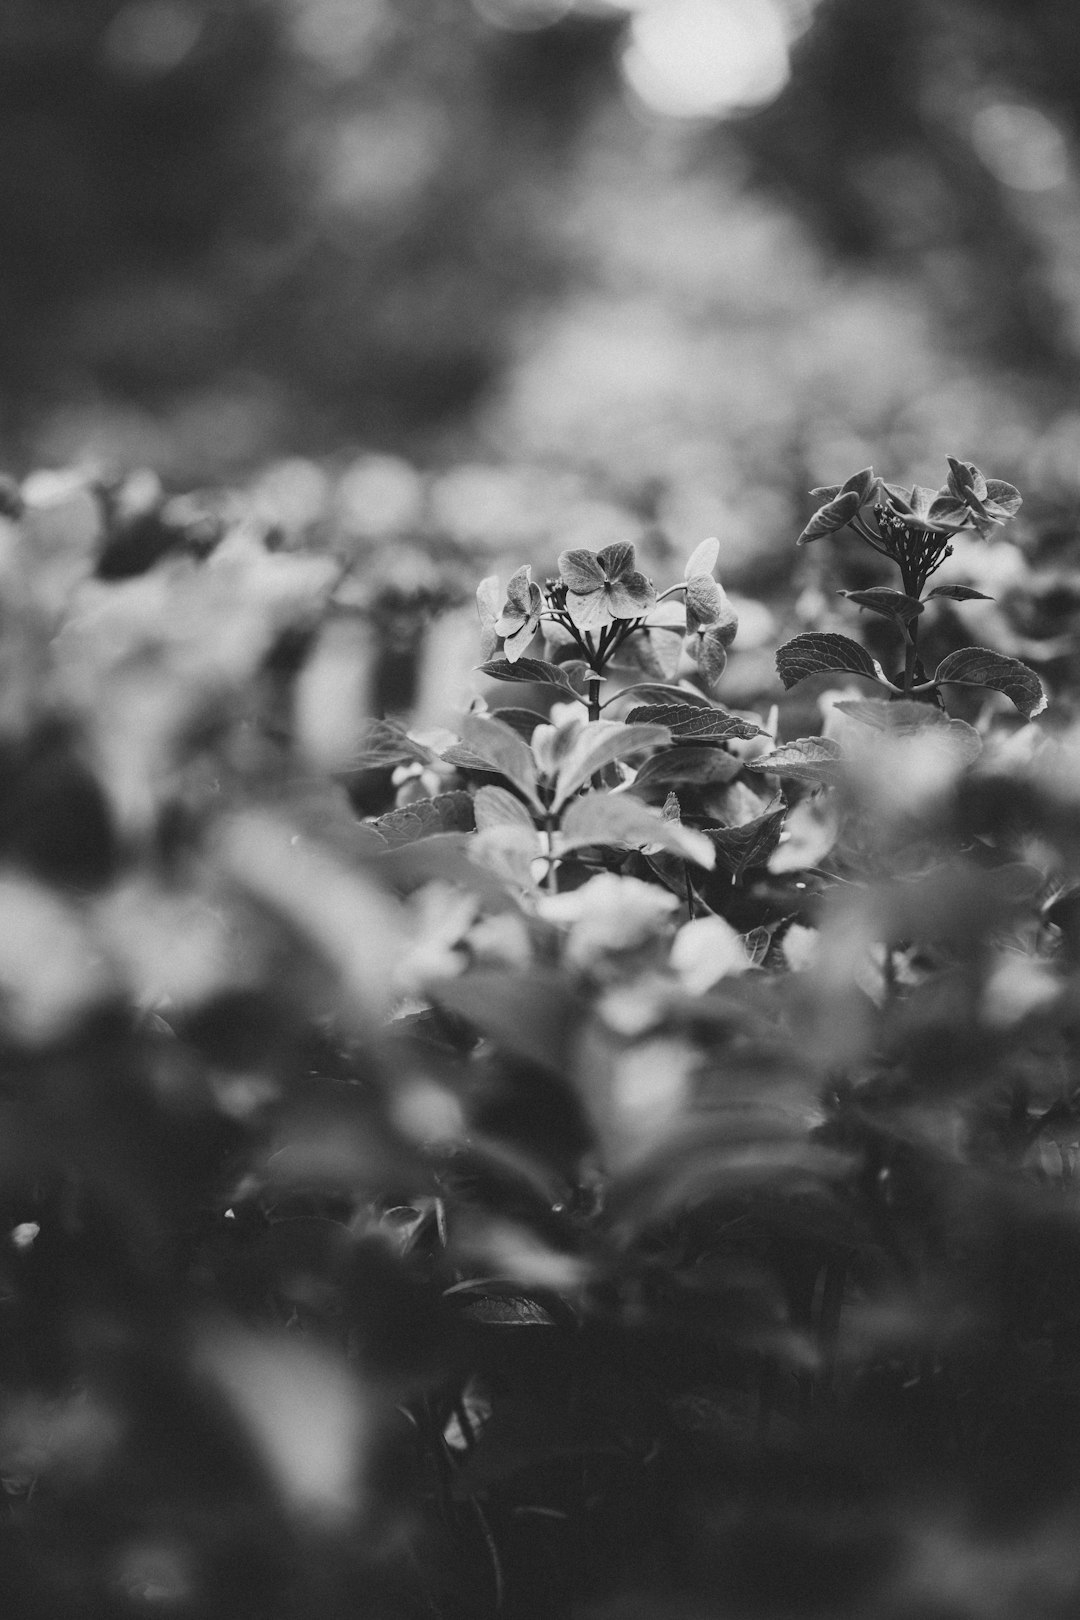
{"x": 616, "y": 1157}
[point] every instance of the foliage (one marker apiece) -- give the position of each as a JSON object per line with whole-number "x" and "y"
{"x": 610, "y": 1157}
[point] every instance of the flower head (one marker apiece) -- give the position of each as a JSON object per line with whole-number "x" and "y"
{"x": 969, "y": 500}
{"x": 604, "y": 585}
{"x": 520, "y": 613}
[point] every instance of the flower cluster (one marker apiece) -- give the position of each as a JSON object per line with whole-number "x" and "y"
{"x": 602, "y": 610}
{"x": 912, "y": 527}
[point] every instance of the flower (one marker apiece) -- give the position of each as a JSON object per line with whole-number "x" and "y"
{"x": 603, "y": 585}
{"x": 520, "y": 613}
{"x": 487, "y": 597}
{"x": 840, "y": 503}
{"x": 969, "y": 500}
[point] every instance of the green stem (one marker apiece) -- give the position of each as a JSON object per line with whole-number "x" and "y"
{"x": 594, "y": 696}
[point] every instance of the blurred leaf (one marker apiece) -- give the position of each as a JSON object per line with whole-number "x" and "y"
{"x": 978, "y": 666}
{"x": 385, "y": 744}
{"x": 820, "y": 652}
{"x": 598, "y": 744}
{"x": 495, "y": 807}
{"x": 610, "y": 818}
{"x": 535, "y": 1018}
{"x": 906, "y": 718}
{"x": 695, "y": 724}
{"x": 738, "y": 848}
{"x": 807, "y": 759}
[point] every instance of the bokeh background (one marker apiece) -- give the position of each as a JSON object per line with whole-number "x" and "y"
{"x": 527, "y": 273}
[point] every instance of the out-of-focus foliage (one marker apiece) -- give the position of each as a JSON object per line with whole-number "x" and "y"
{"x": 527, "y": 1141}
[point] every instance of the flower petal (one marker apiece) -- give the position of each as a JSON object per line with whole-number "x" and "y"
{"x": 580, "y": 571}
{"x": 589, "y": 611}
{"x": 617, "y": 560}
{"x": 631, "y": 596}
{"x": 702, "y": 560}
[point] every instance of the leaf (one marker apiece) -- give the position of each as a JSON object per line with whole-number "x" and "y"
{"x": 959, "y": 593}
{"x": 658, "y": 692}
{"x": 384, "y": 745}
{"x": 691, "y": 767}
{"x": 822, "y": 652}
{"x": 495, "y": 807}
{"x": 597, "y": 745}
{"x": 534, "y": 1016}
{"x": 507, "y": 1310}
{"x": 806, "y": 759}
{"x": 891, "y": 604}
{"x": 614, "y": 818}
{"x": 449, "y": 812}
{"x": 489, "y": 745}
{"x": 702, "y": 559}
{"x": 533, "y": 671}
{"x": 523, "y": 721}
{"x": 978, "y": 666}
{"x": 906, "y": 718}
{"x": 739, "y": 848}
{"x": 695, "y": 724}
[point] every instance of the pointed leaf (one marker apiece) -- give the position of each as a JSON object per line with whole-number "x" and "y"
{"x": 890, "y": 604}
{"x": 597, "y": 745}
{"x": 489, "y": 745}
{"x": 807, "y": 759}
{"x": 959, "y": 593}
{"x": 695, "y": 724}
{"x": 385, "y": 744}
{"x": 614, "y": 818}
{"x": 978, "y": 666}
{"x": 690, "y": 767}
{"x": 738, "y": 848}
{"x": 535, "y": 671}
{"x": 495, "y": 807}
{"x": 822, "y": 652}
{"x": 659, "y": 692}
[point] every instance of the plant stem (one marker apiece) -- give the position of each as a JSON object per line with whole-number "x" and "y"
{"x": 594, "y": 696}
{"x": 911, "y": 654}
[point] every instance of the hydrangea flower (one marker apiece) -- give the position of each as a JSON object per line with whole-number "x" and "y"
{"x": 970, "y": 500}
{"x": 520, "y": 613}
{"x": 840, "y": 503}
{"x": 602, "y": 586}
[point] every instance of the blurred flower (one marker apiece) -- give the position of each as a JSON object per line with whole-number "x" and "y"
{"x": 609, "y": 915}
{"x": 520, "y": 613}
{"x": 487, "y": 599}
{"x": 604, "y": 585}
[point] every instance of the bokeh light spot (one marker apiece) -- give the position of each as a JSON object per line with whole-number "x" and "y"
{"x": 1021, "y": 146}
{"x": 707, "y": 58}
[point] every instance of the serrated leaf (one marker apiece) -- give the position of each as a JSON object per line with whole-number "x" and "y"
{"x": 959, "y": 593}
{"x": 496, "y": 807}
{"x": 690, "y": 767}
{"x": 823, "y": 652}
{"x": 448, "y": 813}
{"x": 739, "y": 848}
{"x": 978, "y": 666}
{"x": 614, "y": 818}
{"x": 533, "y": 671}
{"x": 890, "y": 604}
{"x": 806, "y": 759}
{"x": 597, "y": 745}
{"x": 698, "y": 725}
{"x": 487, "y": 744}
